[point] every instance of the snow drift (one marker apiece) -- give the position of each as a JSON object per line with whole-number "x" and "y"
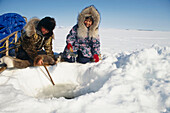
{"x": 135, "y": 81}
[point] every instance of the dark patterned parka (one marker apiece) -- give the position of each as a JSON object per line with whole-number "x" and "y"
{"x": 32, "y": 41}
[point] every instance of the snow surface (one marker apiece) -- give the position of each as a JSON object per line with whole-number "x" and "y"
{"x": 133, "y": 77}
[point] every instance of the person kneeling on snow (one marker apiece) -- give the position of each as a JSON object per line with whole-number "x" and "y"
{"x": 83, "y": 39}
{"x": 38, "y": 35}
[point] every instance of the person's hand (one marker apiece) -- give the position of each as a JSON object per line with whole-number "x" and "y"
{"x": 70, "y": 47}
{"x": 40, "y": 62}
{"x": 96, "y": 57}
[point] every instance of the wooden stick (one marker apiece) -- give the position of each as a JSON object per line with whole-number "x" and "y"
{"x": 16, "y": 35}
{"x": 7, "y": 42}
{"x": 7, "y": 47}
{"x": 49, "y": 75}
{"x": 8, "y": 36}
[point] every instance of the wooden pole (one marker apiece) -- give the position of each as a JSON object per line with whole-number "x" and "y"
{"x": 16, "y": 36}
{"x": 49, "y": 75}
{"x": 7, "y": 47}
{"x": 7, "y": 42}
{"x": 8, "y": 36}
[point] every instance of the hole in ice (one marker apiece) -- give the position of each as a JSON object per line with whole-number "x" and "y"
{"x": 71, "y": 80}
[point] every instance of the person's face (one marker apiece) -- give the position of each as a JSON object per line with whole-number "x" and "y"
{"x": 44, "y": 31}
{"x": 88, "y": 22}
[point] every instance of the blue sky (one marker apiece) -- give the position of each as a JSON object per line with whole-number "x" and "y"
{"x": 119, "y": 14}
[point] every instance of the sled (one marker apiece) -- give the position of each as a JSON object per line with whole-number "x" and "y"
{"x": 11, "y": 26}
{"x": 6, "y": 43}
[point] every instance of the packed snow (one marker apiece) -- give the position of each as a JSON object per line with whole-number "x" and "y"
{"x": 132, "y": 77}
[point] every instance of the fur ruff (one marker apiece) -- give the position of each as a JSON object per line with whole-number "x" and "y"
{"x": 82, "y": 30}
{"x": 30, "y": 27}
{"x": 14, "y": 62}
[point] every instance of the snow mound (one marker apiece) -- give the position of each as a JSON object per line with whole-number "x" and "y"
{"x": 121, "y": 82}
{"x": 71, "y": 79}
{"x": 143, "y": 77}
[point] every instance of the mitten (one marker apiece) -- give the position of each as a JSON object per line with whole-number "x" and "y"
{"x": 96, "y": 57}
{"x": 70, "y": 47}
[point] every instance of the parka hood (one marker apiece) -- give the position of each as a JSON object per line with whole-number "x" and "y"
{"x": 30, "y": 27}
{"x": 82, "y": 30}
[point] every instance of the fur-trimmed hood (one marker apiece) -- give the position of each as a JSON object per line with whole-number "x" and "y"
{"x": 30, "y": 27}
{"x": 93, "y": 30}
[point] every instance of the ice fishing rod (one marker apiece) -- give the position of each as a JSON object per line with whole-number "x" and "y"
{"x": 49, "y": 75}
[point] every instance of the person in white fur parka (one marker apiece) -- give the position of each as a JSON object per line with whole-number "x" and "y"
{"x": 83, "y": 38}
